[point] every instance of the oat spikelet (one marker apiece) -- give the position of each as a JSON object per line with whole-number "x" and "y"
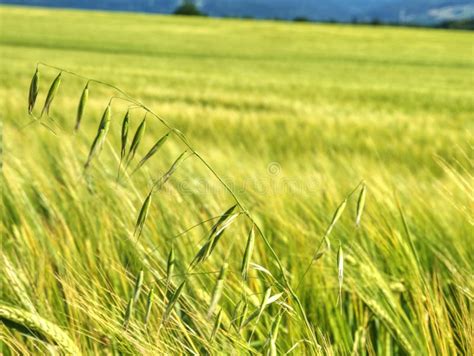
{"x": 81, "y": 107}
{"x": 172, "y": 302}
{"x": 138, "y": 287}
{"x": 340, "y": 272}
{"x": 217, "y": 291}
{"x": 334, "y": 220}
{"x": 216, "y": 233}
{"x": 143, "y": 215}
{"x": 274, "y": 336}
{"x": 128, "y": 314}
{"x": 137, "y": 138}
{"x": 149, "y": 304}
{"x": 34, "y": 89}
{"x": 158, "y": 184}
{"x": 170, "y": 266}
{"x": 100, "y": 137}
{"x": 53, "y": 89}
{"x": 361, "y": 204}
{"x": 217, "y": 325}
{"x": 248, "y": 254}
{"x": 151, "y": 152}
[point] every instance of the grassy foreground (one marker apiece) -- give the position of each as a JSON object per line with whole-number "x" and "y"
{"x": 291, "y": 117}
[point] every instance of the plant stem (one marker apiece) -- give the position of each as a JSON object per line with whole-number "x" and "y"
{"x": 184, "y": 140}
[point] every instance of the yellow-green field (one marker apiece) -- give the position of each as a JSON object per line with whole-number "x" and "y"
{"x": 291, "y": 118}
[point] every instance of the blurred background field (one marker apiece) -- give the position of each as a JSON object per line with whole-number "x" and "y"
{"x": 293, "y": 116}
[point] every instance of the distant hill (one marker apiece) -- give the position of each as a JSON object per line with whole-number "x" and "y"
{"x": 402, "y": 11}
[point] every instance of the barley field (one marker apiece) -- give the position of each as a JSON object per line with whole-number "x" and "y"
{"x": 312, "y": 193}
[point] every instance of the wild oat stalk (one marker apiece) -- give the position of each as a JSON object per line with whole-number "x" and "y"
{"x": 318, "y": 253}
{"x": 225, "y": 220}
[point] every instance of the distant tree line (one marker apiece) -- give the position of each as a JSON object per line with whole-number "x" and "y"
{"x": 467, "y": 24}
{"x": 189, "y": 8}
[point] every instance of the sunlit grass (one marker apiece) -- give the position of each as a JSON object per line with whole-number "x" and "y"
{"x": 292, "y": 117}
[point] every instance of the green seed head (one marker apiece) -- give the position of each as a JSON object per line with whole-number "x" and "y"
{"x": 34, "y": 89}
{"x": 82, "y": 106}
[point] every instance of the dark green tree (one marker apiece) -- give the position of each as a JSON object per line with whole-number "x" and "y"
{"x": 188, "y": 8}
